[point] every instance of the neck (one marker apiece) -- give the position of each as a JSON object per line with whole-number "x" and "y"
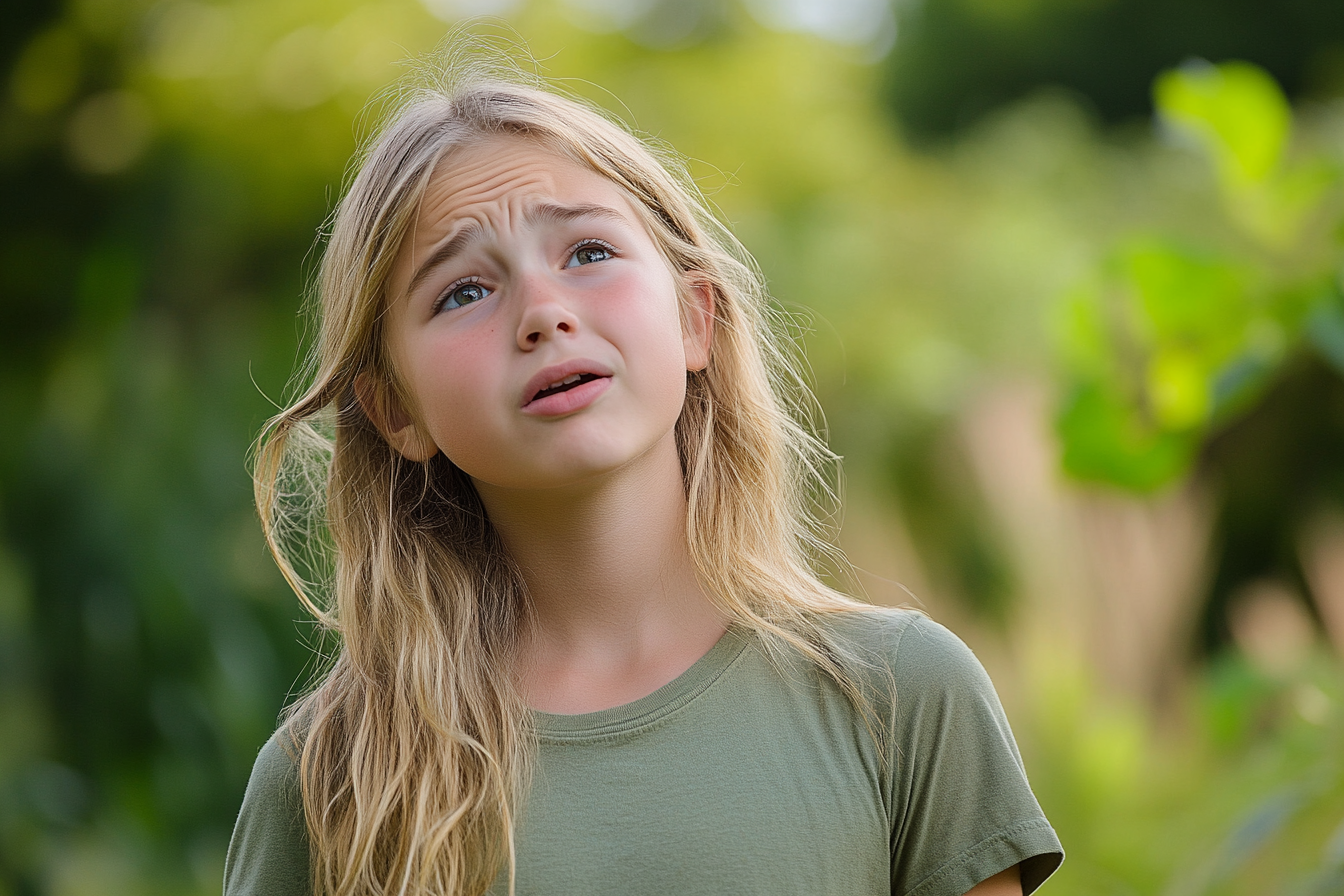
{"x": 616, "y": 605}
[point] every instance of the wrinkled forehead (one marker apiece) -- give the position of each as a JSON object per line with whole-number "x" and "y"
{"x": 506, "y": 173}
{"x": 497, "y": 169}
{"x": 495, "y": 184}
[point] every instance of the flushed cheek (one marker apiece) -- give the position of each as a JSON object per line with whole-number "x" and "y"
{"x": 661, "y": 368}
{"x": 455, "y": 390}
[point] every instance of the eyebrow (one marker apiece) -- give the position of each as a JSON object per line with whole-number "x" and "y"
{"x": 539, "y": 213}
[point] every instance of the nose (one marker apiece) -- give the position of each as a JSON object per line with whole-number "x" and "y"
{"x": 545, "y": 315}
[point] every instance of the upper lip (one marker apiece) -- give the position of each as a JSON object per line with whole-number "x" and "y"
{"x": 549, "y": 376}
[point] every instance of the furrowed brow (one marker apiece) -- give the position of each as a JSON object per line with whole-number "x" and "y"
{"x": 469, "y": 234}
{"x": 541, "y": 213}
{"x": 555, "y": 213}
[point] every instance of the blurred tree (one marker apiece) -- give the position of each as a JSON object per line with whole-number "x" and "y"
{"x": 956, "y": 60}
{"x": 1276, "y": 468}
{"x": 148, "y": 294}
{"x": 1228, "y": 353}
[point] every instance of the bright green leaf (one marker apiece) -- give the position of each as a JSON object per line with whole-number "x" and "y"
{"x": 1236, "y": 110}
{"x": 1105, "y": 440}
{"x": 1188, "y": 296}
{"x": 1178, "y": 387}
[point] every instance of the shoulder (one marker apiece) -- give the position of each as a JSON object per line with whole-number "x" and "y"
{"x": 905, "y": 651}
{"x": 961, "y": 807}
{"x": 276, "y": 769}
{"x": 923, "y": 679}
{"x": 268, "y": 853}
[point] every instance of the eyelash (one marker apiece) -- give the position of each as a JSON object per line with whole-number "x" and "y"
{"x": 592, "y": 241}
{"x": 453, "y": 287}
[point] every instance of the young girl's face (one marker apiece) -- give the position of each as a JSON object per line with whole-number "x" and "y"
{"x": 535, "y": 322}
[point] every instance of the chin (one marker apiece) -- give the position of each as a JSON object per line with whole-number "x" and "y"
{"x": 568, "y": 471}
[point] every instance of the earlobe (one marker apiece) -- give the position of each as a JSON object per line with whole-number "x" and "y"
{"x": 392, "y": 421}
{"x": 698, "y": 320}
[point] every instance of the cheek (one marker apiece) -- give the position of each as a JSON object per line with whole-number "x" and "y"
{"x": 662, "y": 352}
{"x": 455, "y": 386}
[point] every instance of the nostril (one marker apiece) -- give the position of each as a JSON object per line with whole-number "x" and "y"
{"x": 562, "y": 326}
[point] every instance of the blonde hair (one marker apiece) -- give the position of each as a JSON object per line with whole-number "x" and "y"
{"x": 415, "y": 746}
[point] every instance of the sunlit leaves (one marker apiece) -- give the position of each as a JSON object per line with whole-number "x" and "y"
{"x": 1240, "y": 118}
{"x": 1150, "y": 340}
{"x": 1107, "y": 438}
{"x": 1236, "y": 110}
{"x": 1170, "y": 339}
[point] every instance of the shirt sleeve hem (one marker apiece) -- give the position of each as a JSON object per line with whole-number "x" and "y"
{"x": 1032, "y": 844}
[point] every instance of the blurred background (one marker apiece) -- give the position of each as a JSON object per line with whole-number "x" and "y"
{"x": 1068, "y": 273}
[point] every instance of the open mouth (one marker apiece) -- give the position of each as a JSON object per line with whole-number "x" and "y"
{"x": 569, "y": 382}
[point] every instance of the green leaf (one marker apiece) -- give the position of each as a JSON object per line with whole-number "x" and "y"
{"x": 1235, "y": 110}
{"x": 1179, "y": 389}
{"x": 1106, "y": 440}
{"x": 1188, "y": 296}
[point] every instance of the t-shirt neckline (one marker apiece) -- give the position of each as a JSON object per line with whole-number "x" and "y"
{"x": 653, "y": 707}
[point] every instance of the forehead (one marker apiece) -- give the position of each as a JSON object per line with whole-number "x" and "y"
{"x": 493, "y": 180}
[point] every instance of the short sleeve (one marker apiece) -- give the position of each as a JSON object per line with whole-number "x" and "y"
{"x": 268, "y": 853}
{"x": 961, "y": 807}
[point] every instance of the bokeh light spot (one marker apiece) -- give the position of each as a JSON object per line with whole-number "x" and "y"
{"x": 108, "y": 132}
{"x": 47, "y": 72}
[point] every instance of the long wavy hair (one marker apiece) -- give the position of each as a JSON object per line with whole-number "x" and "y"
{"x": 414, "y": 748}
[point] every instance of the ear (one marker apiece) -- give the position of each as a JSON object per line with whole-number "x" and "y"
{"x": 698, "y": 320}
{"x": 386, "y": 412}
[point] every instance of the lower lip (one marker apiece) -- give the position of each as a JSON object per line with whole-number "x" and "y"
{"x": 570, "y": 400}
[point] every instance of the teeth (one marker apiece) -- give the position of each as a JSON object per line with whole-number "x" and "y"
{"x": 572, "y": 378}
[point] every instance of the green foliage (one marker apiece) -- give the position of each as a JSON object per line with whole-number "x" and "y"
{"x": 1170, "y": 338}
{"x": 1238, "y": 113}
{"x": 957, "y": 61}
{"x": 1241, "y": 120}
{"x": 1240, "y": 795}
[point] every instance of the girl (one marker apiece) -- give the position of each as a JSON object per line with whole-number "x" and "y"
{"x": 560, "y": 468}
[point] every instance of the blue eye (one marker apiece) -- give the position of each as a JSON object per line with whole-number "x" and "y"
{"x": 589, "y": 252}
{"x": 461, "y": 294}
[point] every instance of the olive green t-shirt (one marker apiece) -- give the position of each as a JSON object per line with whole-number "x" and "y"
{"x": 747, "y": 776}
